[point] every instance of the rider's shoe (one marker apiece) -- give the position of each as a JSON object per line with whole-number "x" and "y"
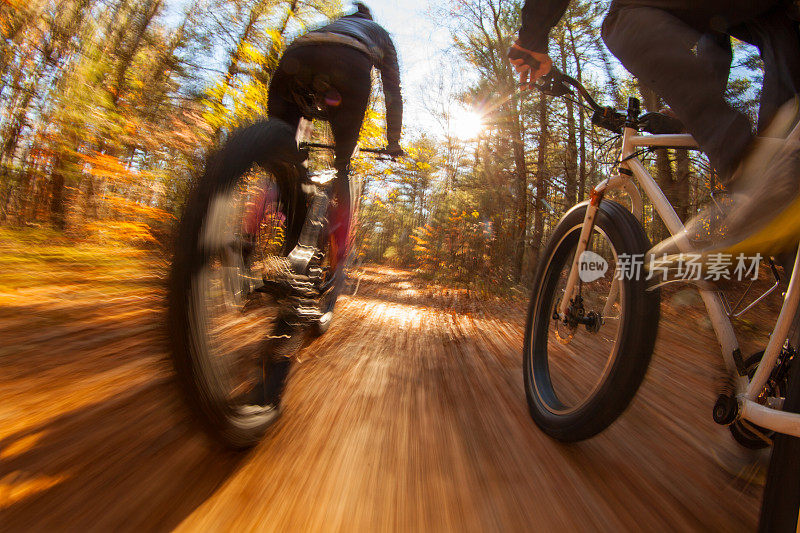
{"x": 662, "y": 122}
{"x": 762, "y": 212}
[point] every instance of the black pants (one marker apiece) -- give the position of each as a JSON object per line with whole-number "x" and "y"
{"x": 344, "y": 75}
{"x": 342, "y": 71}
{"x": 684, "y": 56}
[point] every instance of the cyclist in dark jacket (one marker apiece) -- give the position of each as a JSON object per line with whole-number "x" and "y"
{"x": 335, "y": 63}
{"x": 336, "y": 60}
{"x": 681, "y": 50}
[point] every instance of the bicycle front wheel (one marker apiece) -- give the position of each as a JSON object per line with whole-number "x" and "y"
{"x": 582, "y": 372}
{"x": 781, "y": 501}
{"x": 245, "y": 211}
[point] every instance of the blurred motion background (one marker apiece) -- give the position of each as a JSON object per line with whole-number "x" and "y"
{"x": 107, "y": 110}
{"x": 109, "y": 107}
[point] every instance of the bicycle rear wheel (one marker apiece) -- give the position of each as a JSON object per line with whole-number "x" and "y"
{"x": 246, "y": 209}
{"x": 581, "y": 373}
{"x": 781, "y": 501}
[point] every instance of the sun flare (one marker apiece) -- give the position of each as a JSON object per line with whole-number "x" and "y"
{"x": 467, "y": 125}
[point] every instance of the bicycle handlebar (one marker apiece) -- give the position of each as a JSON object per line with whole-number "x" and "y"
{"x": 555, "y": 83}
{"x": 378, "y": 151}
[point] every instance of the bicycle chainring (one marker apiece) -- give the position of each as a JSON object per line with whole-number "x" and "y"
{"x": 746, "y": 433}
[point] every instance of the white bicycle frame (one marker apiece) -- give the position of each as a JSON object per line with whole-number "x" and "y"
{"x": 769, "y": 416}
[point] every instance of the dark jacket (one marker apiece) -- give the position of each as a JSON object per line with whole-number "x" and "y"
{"x": 384, "y": 58}
{"x": 540, "y": 16}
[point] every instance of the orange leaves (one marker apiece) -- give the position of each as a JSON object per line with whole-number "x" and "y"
{"x": 107, "y": 166}
{"x": 131, "y": 208}
{"x": 16, "y": 4}
{"x": 128, "y": 215}
{"x": 122, "y": 232}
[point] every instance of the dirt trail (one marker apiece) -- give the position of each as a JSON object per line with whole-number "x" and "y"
{"x": 408, "y": 415}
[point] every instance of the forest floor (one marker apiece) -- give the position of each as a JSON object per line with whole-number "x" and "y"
{"x": 409, "y": 414}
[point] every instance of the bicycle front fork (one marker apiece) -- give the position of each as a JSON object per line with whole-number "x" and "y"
{"x": 583, "y": 243}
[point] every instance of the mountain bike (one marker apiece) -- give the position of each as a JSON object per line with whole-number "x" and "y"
{"x": 259, "y": 263}
{"x": 591, "y": 330}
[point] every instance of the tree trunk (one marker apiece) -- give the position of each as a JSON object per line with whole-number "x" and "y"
{"x": 57, "y": 207}
{"x": 233, "y": 60}
{"x": 571, "y": 163}
{"x": 126, "y": 56}
{"x": 520, "y": 190}
{"x": 541, "y": 180}
{"x": 581, "y": 122}
{"x": 663, "y": 167}
{"x": 681, "y": 190}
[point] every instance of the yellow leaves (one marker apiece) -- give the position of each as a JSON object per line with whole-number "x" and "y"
{"x": 248, "y": 52}
{"x": 107, "y": 166}
{"x": 216, "y": 92}
{"x": 131, "y": 208}
{"x": 130, "y": 127}
{"x": 238, "y": 103}
{"x": 372, "y": 131}
{"x": 277, "y": 39}
{"x": 5, "y": 26}
{"x": 121, "y": 232}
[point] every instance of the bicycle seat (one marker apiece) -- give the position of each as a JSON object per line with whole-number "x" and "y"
{"x": 315, "y": 97}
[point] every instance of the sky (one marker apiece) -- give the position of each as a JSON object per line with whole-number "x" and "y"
{"x": 421, "y": 47}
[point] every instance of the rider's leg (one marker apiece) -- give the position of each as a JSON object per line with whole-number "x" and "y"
{"x": 777, "y": 37}
{"x": 659, "y": 48}
{"x": 715, "y": 49}
{"x": 346, "y": 119}
{"x": 280, "y": 102}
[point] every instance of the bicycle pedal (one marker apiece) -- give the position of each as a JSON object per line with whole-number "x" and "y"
{"x": 726, "y": 409}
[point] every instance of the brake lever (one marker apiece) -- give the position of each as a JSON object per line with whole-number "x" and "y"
{"x": 552, "y": 84}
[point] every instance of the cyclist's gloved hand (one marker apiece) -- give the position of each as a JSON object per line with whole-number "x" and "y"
{"x": 394, "y": 151}
{"x": 529, "y": 64}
